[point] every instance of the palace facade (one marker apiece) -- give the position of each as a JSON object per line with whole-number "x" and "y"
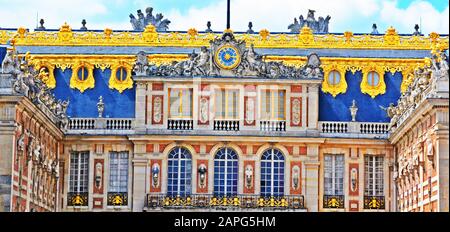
{"x": 105, "y": 120}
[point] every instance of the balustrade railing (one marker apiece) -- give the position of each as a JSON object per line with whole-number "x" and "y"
{"x": 334, "y": 127}
{"x": 226, "y": 125}
{"x": 224, "y": 202}
{"x": 351, "y": 128}
{"x": 180, "y": 124}
{"x": 373, "y": 128}
{"x": 272, "y": 125}
{"x": 100, "y": 124}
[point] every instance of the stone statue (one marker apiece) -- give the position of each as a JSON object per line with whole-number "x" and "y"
{"x": 142, "y": 21}
{"x": 11, "y": 64}
{"x": 155, "y": 175}
{"x": 295, "y": 177}
{"x": 416, "y": 30}
{"x": 249, "y": 176}
{"x": 100, "y": 107}
{"x": 202, "y": 175}
{"x": 202, "y": 62}
{"x": 317, "y": 26}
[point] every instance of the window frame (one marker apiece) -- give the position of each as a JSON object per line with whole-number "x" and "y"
{"x": 337, "y": 189}
{"x": 274, "y": 111}
{"x": 187, "y": 172}
{"x": 118, "y": 175}
{"x": 224, "y": 114}
{"x": 281, "y": 167}
{"x": 75, "y": 179}
{"x": 180, "y": 106}
{"x": 374, "y": 175}
{"x": 224, "y": 170}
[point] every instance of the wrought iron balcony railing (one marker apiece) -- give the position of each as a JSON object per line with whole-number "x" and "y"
{"x": 225, "y": 202}
{"x": 117, "y": 199}
{"x": 374, "y": 202}
{"x": 333, "y": 201}
{"x": 77, "y": 199}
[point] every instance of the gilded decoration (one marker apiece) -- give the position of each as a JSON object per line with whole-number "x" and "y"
{"x": 405, "y": 66}
{"x": 46, "y": 73}
{"x": 334, "y": 88}
{"x": 82, "y": 76}
{"x": 150, "y": 37}
{"x": 121, "y": 76}
{"x": 368, "y": 83}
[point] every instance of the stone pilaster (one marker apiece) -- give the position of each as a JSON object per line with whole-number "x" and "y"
{"x": 313, "y": 106}
{"x": 139, "y": 183}
{"x": 312, "y": 166}
{"x": 140, "y": 106}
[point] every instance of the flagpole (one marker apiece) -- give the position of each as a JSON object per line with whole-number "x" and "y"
{"x": 228, "y": 14}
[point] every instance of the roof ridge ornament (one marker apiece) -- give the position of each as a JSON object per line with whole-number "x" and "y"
{"x": 227, "y": 56}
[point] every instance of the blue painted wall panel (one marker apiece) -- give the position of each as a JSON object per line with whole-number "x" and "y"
{"x": 2, "y": 54}
{"x": 84, "y": 105}
{"x": 337, "y": 109}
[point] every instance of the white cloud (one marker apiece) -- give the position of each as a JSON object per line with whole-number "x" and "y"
{"x": 419, "y": 12}
{"x": 353, "y": 15}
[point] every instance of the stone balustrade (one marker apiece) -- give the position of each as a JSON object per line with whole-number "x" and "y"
{"x": 180, "y": 124}
{"x": 226, "y": 125}
{"x": 272, "y": 125}
{"x": 353, "y": 129}
{"x": 100, "y": 125}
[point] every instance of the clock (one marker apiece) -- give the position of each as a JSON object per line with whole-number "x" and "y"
{"x": 227, "y": 57}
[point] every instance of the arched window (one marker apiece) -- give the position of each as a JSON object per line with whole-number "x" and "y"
{"x": 179, "y": 172}
{"x": 373, "y": 78}
{"x": 272, "y": 173}
{"x": 225, "y": 172}
{"x": 334, "y": 77}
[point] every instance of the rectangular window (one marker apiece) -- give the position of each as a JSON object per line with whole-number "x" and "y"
{"x": 226, "y": 103}
{"x": 273, "y": 104}
{"x": 180, "y": 101}
{"x": 79, "y": 172}
{"x": 374, "y": 175}
{"x": 118, "y": 172}
{"x": 334, "y": 175}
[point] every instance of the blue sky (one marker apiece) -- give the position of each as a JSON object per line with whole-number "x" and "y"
{"x": 274, "y": 15}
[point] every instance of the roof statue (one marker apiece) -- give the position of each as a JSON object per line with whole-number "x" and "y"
{"x": 318, "y": 26}
{"x": 142, "y": 21}
{"x": 427, "y": 83}
{"x": 227, "y": 56}
{"x": 28, "y": 81}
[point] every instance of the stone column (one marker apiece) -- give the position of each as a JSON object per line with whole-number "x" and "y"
{"x": 312, "y": 179}
{"x": 140, "y": 106}
{"x": 139, "y": 183}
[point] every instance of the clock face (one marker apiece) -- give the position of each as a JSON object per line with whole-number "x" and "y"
{"x": 227, "y": 57}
